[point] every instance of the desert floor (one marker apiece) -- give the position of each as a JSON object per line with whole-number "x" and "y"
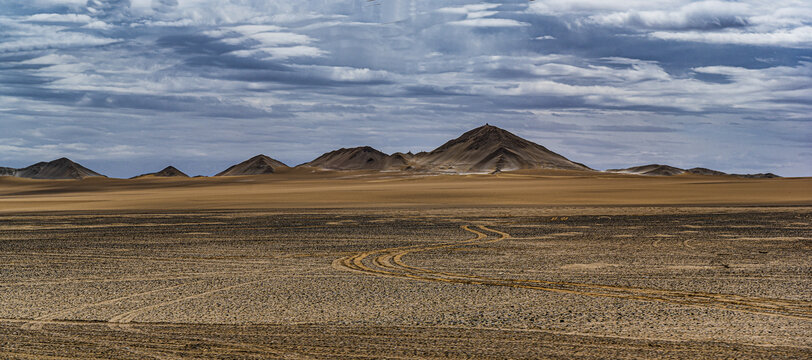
{"x": 522, "y": 265}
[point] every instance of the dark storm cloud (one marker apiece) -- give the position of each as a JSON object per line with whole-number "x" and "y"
{"x": 607, "y": 83}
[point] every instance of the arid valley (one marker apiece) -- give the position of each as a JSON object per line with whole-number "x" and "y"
{"x": 527, "y": 264}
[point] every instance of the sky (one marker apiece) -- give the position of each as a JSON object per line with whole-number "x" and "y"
{"x": 126, "y": 87}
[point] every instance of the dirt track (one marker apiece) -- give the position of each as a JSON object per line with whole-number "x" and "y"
{"x": 389, "y": 262}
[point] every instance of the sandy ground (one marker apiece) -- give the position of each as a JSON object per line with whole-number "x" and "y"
{"x": 296, "y": 189}
{"x": 528, "y": 272}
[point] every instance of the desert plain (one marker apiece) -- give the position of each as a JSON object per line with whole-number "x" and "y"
{"x": 353, "y": 264}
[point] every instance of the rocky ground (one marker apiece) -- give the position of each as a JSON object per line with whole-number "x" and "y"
{"x": 399, "y": 283}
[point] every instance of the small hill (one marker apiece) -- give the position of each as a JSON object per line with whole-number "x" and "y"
{"x": 256, "y": 165}
{"x": 757, "y": 176}
{"x": 358, "y": 158}
{"x": 488, "y": 149}
{"x": 169, "y": 171}
{"x": 652, "y": 170}
{"x": 665, "y": 170}
{"x": 62, "y": 168}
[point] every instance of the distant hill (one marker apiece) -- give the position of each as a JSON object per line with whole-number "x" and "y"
{"x": 62, "y": 168}
{"x": 169, "y": 171}
{"x": 665, "y": 170}
{"x": 358, "y": 158}
{"x": 652, "y": 169}
{"x": 256, "y": 165}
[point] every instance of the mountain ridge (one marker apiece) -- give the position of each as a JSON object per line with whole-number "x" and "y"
{"x": 667, "y": 170}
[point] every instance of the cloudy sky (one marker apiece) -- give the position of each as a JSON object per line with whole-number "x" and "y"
{"x": 130, "y": 86}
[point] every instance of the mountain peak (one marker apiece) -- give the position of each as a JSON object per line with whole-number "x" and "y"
{"x": 257, "y": 165}
{"x": 62, "y": 168}
{"x": 357, "y": 158}
{"x": 169, "y": 171}
{"x": 488, "y": 148}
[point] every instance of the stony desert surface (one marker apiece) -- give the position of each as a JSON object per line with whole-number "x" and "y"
{"x": 520, "y": 265}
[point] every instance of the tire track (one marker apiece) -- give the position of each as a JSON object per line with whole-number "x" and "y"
{"x": 389, "y": 262}
{"x": 40, "y": 320}
{"x": 127, "y": 317}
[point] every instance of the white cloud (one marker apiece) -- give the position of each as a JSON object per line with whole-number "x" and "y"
{"x": 468, "y": 8}
{"x": 705, "y": 14}
{"x": 800, "y": 37}
{"x": 294, "y": 51}
{"x": 55, "y": 40}
{"x": 568, "y": 7}
{"x": 280, "y": 38}
{"x": 254, "y": 29}
{"x": 51, "y": 59}
{"x": 489, "y": 23}
{"x": 70, "y": 18}
{"x": 753, "y": 22}
{"x": 98, "y": 25}
{"x": 280, "y": 53}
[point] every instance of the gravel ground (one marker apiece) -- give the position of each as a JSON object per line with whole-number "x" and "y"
{"x": 623, "y": 283}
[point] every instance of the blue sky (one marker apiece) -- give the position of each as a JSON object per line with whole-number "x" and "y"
{"x": 130, "y": 86}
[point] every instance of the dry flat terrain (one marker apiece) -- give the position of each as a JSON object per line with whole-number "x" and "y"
{"x": 527, "y": 265}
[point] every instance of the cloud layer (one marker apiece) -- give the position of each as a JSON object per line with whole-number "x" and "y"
{"x": 128, "y": 86}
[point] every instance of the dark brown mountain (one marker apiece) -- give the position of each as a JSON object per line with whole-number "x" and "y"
{"x": 62, "y": 168}
{"x": 488, "y": 149}
{"x": 169, "y": 171}
{"x": 358, "y": 158}
{"x": 256, "y": 165}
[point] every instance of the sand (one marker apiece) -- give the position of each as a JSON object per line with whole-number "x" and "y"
{"x": 299, "y": 188}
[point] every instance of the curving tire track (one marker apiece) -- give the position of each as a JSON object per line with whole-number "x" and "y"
{"x": 389, "y": 262}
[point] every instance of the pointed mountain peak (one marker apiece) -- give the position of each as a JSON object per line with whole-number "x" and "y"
{"x": 63, "y": 160}
{"x": 486, "y": 136}
{"x": 260, "y": 157}
{"x": 169, "y": 171}
{"x": 257, "y": 165}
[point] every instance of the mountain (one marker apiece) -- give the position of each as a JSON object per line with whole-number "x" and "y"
{"x": 704, "y": 171}
{"x": 757, "y": 176}
{"x": 489, "y": 148}
{"x": 62, "y": 168}
{"x": 256, "y": 165}
{"x": 358, "y": 158}
{"x": 169, "y": 171}
{"x": 665, "y": 170}
{"x": 652, "y": 169}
